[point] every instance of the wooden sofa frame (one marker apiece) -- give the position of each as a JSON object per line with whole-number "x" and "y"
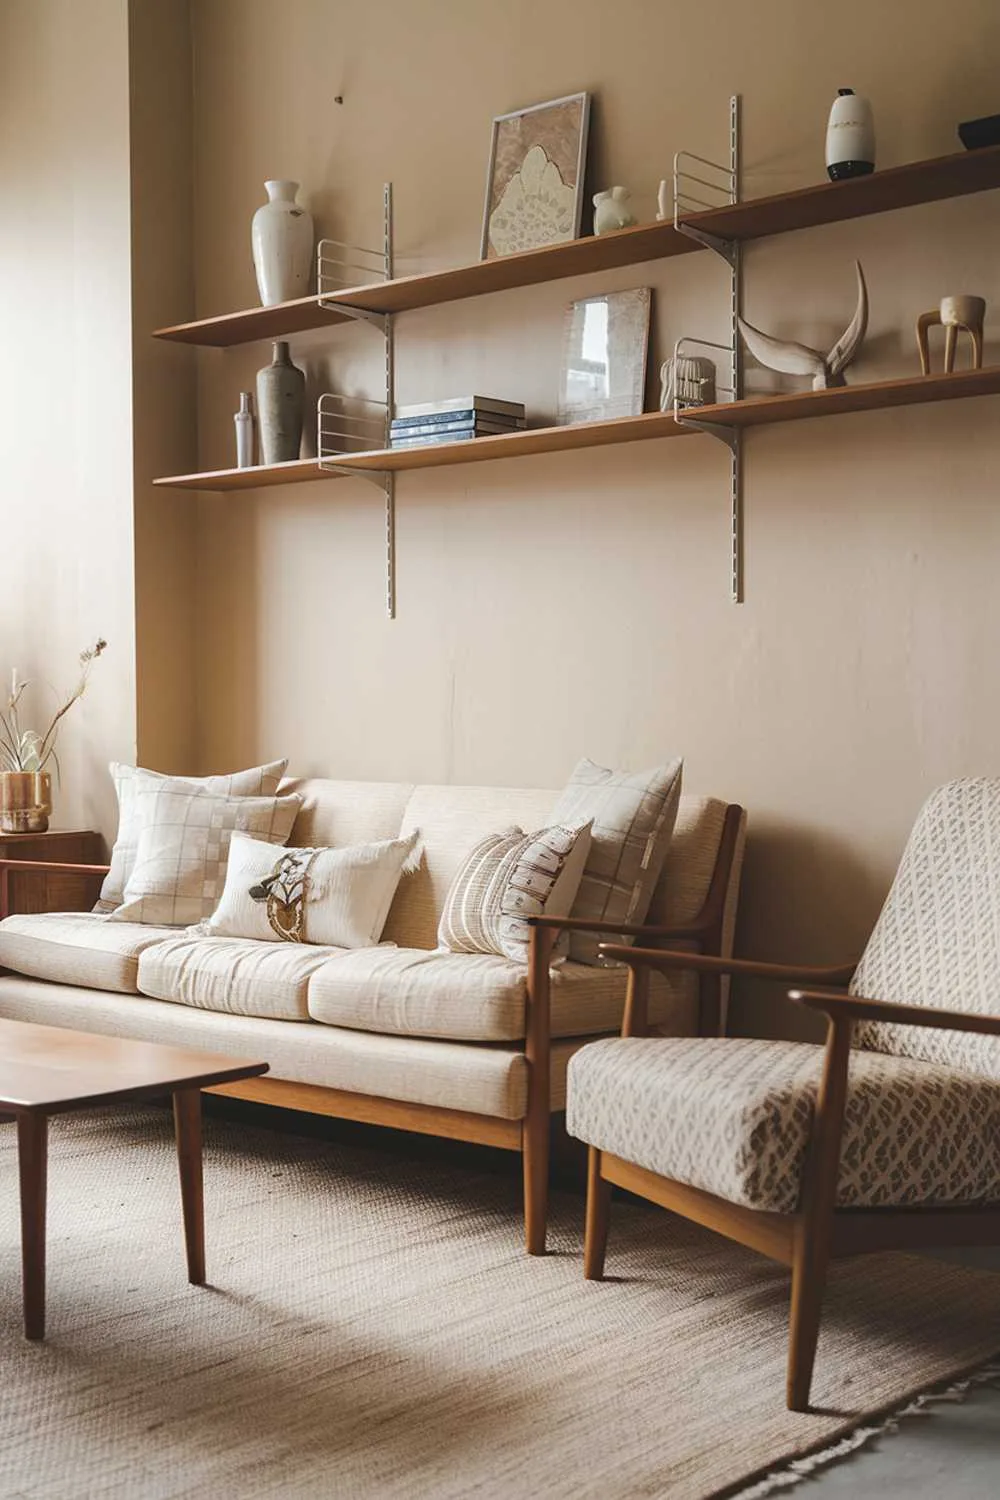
{"x": 805, "y": 1241}
{"x": 530, "y": 1135}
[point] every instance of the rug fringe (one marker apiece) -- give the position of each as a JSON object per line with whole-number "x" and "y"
{"x": 918, "y": 1406}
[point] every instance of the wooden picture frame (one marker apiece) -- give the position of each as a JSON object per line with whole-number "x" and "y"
{"x": 534, "y": 184}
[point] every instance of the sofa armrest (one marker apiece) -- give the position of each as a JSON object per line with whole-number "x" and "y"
{"x": 49, "y": 866}
{"x": 702, "y": 963}
{"x": 694, "y": 930}
{"x": 857, "y": 1008}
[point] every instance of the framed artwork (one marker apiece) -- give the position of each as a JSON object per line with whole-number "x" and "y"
{"x": 605, "y": 344}
{"x": 534, "y": 186}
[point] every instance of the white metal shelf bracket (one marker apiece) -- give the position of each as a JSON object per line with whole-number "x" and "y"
{"x": 351, "y": 424}
{"x": 724, "y": 185}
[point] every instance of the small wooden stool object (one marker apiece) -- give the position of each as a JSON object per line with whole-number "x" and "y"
{"x": 954, "y": 313}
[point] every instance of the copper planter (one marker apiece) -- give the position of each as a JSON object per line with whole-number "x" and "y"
{"x": 25, "y": 801}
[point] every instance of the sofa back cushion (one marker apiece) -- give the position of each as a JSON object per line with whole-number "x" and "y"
{"x": 337, "y": 813}
{"x": 452, "y": 820}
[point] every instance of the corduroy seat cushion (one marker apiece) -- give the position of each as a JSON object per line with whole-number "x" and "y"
{"x": 479, "y": 997}
{"x": 238, "y": 976}
{"x": 78, "y": 948}
{"x": 733, "y": 1116}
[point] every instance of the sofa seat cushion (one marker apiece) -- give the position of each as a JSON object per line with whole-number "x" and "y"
{"x": 445, "y": 1075}
{"x": 78, "y": 948}
{"x": 237, "y": 975}
{"x": 477, "y": 996}
{"x": 733, "y": 1116}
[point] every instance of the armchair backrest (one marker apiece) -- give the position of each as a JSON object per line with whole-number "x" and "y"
{"x": 937, "y": 941}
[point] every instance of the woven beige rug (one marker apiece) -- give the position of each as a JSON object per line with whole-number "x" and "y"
{"x": 374, "y": 1329}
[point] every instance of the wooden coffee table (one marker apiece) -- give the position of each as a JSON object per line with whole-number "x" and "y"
{"x": 45, "y": 1070}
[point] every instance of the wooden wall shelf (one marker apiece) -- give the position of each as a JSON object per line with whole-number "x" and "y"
{"x": 754, "y": 412}
{"x": 824, "y": 203}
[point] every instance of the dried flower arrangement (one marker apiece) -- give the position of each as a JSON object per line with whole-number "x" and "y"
{"x": 26, "y": 749}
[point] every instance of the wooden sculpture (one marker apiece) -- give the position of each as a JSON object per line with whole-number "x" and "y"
{"x": 798, "y": 359}
{"x": 954, "y": 314}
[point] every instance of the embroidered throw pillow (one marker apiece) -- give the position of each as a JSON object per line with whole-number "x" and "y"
{"x": 339, "y": 897}
{"x": 510, "y": 876}
{"x": 633, "y": 814}
{"x": 259, "y": 781}
{"x": 180, "y": 863}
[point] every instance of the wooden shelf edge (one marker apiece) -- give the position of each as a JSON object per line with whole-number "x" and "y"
{"x": 261, "y": 476}
{"x": 756, "y": 411}
{"x": 893, "y": 188}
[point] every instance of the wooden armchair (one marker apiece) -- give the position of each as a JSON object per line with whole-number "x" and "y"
{"x": 887, "y": 1138}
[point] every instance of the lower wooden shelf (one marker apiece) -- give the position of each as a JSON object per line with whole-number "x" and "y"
{"x": 752, "y": 412}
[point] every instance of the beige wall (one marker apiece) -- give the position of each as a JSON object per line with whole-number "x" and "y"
{"x": 164, "y": 382}
{"x": 578, "y": 603}
{"x": 65, "y": 380}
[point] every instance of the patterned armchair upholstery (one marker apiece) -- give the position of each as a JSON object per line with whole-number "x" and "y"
{"x": 834, "y": 1147}
{"x": 937, "y": 942}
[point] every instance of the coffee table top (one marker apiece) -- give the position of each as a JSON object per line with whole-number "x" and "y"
{"x": 49, "y": 1069}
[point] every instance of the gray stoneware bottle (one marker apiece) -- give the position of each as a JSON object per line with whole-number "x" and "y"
{"x": 281, "y": 389}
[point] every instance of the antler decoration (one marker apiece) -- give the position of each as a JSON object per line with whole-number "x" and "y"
{"x": 798, "y": 359}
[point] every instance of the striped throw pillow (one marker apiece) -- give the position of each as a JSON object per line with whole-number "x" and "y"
{"x": 508, "y": 877}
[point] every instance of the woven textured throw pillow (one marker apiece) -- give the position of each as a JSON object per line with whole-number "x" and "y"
{"x": 259, "y": 781}
{"x": 633, "y": 814}
{"x": 180, "y": 864}
{"x": 339, "y": 897}
{"x": 508, "y": 877}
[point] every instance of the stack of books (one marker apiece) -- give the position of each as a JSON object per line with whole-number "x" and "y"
{"x": 454, "y": 421}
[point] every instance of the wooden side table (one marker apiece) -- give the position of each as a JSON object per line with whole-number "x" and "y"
{"x": 53, "y": 890}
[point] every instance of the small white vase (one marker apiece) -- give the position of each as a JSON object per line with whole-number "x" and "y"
{"x": 283, "y": 239}
{"x": 850, "y": 137}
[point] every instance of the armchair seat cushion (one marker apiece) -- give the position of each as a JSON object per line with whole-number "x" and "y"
{"x": 78, "y": 948}
{"x": 733, "y": 1117}
{"x": 478, "y": 997}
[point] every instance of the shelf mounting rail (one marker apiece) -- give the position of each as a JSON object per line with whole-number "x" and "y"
{"x": 723, "y": 183}
{"x": 339, "y": 422}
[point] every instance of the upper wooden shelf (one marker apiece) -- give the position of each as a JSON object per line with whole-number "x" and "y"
{"x": 825, "y": 203}
{"x": 755, "y": 412}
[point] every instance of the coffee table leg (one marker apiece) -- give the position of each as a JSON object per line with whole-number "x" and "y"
{"x": 187, "y": 1128}
{"x": 32, "y": 1160}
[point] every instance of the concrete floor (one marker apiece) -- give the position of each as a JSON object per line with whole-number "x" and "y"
{"x": 950, "y": 1452}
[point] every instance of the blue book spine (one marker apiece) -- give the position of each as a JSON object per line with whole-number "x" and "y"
{"x": 437, "y": 437}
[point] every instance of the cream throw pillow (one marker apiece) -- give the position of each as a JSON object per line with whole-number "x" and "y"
{"x": 508, "y": 877}
{"x": 180, "y": 863}
{"x": 339, "y": 897}
{"x": 633, "y": 815}
{"x": 259, "y": 781}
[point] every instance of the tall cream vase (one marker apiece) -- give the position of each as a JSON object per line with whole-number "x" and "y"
{"x": 25, "y": 801}
{"x": 283, "y": 238}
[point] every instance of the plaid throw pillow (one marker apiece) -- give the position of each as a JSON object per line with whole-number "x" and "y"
{"x": 259, "y": 781}
{"x": 633, "y": 814}
{"x": 183, "y": 848}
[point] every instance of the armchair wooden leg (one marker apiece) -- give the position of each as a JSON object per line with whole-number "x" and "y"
{"x": 813, "y": 1231}
{"x": 808, "y": 1283}
{"x": 595, "y": 1239}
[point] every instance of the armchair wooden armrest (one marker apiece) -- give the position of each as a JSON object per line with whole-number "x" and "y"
{"x": 667, "y": 958}
{"x": 855, "y": 1008}
{"x": 621, "y": 929}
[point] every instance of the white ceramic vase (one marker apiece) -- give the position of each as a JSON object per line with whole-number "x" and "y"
{"x": 850, "y": 137}
{"x": 283, "y": 240}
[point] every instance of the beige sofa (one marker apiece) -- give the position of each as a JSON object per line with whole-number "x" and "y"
{"x": 469, "y": 1046}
